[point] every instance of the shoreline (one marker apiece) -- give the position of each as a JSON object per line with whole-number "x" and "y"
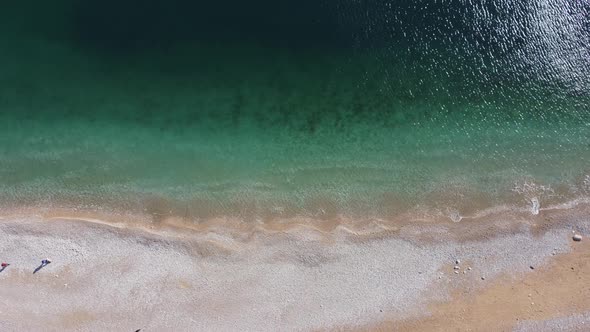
{"x": 169, "y": 276}
{"x": 480, "y": 225}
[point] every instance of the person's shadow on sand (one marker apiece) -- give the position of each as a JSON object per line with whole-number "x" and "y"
{"x": 3, "y": 268}
{"x": 43, "y": 264}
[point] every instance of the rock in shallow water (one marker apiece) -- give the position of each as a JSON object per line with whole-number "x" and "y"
{"x": 577, "y": 237}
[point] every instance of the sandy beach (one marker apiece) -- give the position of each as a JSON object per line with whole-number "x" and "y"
{"x": 521, "y": 275}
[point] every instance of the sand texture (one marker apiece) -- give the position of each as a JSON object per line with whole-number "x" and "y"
{"x": 107, "y": 277}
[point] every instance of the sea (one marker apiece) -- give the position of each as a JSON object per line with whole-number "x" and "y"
{"x": 263, "y": 111}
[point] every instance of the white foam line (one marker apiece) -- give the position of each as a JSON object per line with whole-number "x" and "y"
{"x": 569, "y": 205}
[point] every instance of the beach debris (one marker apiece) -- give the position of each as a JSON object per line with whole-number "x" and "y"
{"x": 535, "y": 206}
{"x": 532, "y": 267}
{"x": 577, "y": 237}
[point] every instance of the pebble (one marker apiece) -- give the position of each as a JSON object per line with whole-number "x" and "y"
{"x": 456, "y": 267}
{"x": 532, "y": 267}
{"x": 577, "y": 238}
{"x": 469, "y": 268}
{"x": 456, "y": 272}
{"x": 458, "y": 261}
{"x": 483, "y": 278}
{"x": 464, "y": 272}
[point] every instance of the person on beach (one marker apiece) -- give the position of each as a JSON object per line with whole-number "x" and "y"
{"x": 44, "y": 263}
{"x": 3, "y": 265}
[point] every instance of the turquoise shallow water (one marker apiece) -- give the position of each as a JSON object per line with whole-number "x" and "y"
{"x": 242, "y": 129}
